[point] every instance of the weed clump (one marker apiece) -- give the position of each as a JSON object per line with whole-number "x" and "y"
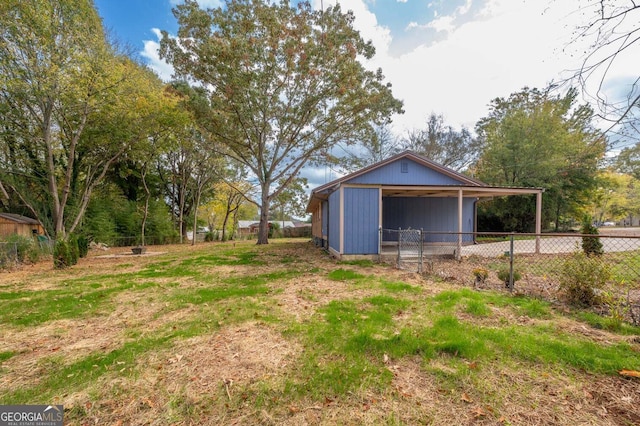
{"x": 504, "y": 275}
{"x": 480, "y": 274}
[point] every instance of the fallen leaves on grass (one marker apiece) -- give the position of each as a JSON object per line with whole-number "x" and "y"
{"x": 479, "y": 412}
{"x": 465, "y": 398}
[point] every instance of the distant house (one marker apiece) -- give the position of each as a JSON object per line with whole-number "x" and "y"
{"x": 11, "y": 224}
{"x": 244, "y": 226}
{"x": 404, "y": 191}
{"x": 247, "y": 227}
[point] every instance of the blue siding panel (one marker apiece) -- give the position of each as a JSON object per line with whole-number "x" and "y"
{"x": 416, "y": 174}
{"x": 361, "y": 208}
{"x": 429, "y": 214}
{"x": 334, "y": 221}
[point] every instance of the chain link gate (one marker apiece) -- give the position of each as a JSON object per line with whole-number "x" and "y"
{"x": 410, "y": 249}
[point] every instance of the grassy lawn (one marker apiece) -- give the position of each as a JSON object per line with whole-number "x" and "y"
{"x": 236, "y": 333}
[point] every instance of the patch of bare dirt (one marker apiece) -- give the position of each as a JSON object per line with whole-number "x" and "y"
{"x": 211, "y": 370}
{"x": 616, "y": 399}
{"x": 302, "y": 296}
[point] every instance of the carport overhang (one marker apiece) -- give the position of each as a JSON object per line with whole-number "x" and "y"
{"x": 447, "y": 191}
{"x": 468, "y": 191}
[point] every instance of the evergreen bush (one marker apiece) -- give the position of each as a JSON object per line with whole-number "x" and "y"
{"x": 590, "y": 245}
{"x": 74, "y": 252}
{"x": 62, "y": 255}
{"x": 83, "y": 246}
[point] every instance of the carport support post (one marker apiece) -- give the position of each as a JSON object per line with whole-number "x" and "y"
{"x": 459, "y": 245}
{"x": 380, "y": 244}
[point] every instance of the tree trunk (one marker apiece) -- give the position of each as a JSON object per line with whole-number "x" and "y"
{"x": 224, "y": 226}
{"x": 56, "y": 210}
{"x": 263, "y": 229}
{"x": 146, "y": 204}
{"x": 195, "y": 217}
{"x": 181, "y": 202}
{"x": 557, "y": 227}
{"x": 235, "y": 222}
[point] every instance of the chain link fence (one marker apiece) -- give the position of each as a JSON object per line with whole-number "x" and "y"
{"x": 535, "y": 264}
{"x": 543, "y": 256}
{"x": 8, "y": 254}
{"x": 532, "y": 254}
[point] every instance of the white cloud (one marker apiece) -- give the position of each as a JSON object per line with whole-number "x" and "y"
{"x": 151, "y": 54}
{"x": 512, "y": 45}
{"x": 443, "y": 23}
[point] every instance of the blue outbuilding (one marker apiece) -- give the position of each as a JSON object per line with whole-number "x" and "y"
{"x": 405, "y": 191}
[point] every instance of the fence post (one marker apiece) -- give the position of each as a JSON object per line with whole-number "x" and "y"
{"x": 399, "y": 242}
{"x": 380, "y": 244}
{"x": 421, "y": 264}
{"x": 511, "y": 262}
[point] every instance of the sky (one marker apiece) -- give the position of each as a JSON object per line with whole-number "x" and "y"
{"x": 449, "y": 57}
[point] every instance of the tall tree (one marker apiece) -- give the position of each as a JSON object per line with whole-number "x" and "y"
{"x": 286, "y": 84}
{"x": 175, "y": 169}
{"x": 628, "y": 161}
{"x": 616, "y": 196}
{"x": 227, "y": 205}
{"x": 62, "y": 89}
{"x": 292, "y": 202}
{"x": 206, "y": 170}
{"x": 534, "y": 139}
{"x": 443, "y": 144}
{"x": 380, "y": 145}
{"x": 191, "y": 164}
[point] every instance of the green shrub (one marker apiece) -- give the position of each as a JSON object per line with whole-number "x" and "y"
{"x": 83, "y": 246}
{"x": 23, "y": 245}
{"x": 73, "y": 249}
{"x": 591, "y": 246}
{"x": 618, "y": 308}
{"x": 582, "y": 276}
{"x": 111, "y": 218}
{"x": 61, "y": 254}
{"x": 274, "y": 227}
{"x": 208, "y": 237}
{"x": 503, "y": 275}
{"x": 34, "y": 254}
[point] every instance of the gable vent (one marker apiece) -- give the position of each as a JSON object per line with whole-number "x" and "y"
{"x": 404, "y": 167}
